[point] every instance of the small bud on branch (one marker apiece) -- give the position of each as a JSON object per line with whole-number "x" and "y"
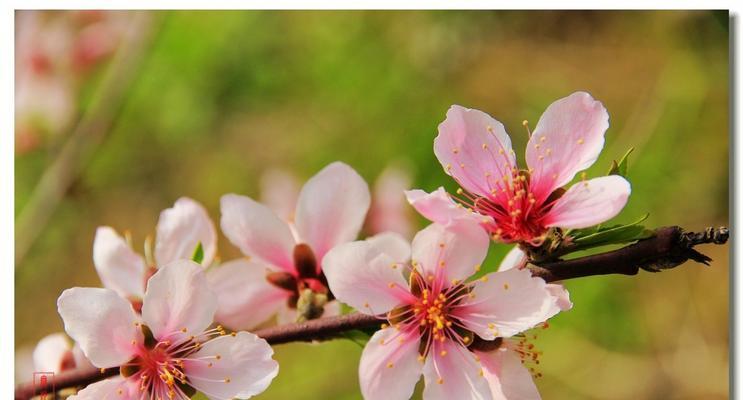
{"x": 668, "y": 248}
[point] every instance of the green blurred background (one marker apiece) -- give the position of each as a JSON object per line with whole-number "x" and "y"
{"x": 219, "y": 97}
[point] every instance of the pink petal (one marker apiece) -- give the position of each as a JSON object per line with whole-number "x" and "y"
{"x": 365, "y": 278}
{"x": 452, "y": 372}
{"x": 389, "y": 366}
{"x": 257, "y": 231}
{"x": 568, "y": 137}
{"x": 389, "y": 211}
{"x": 450, "y": 253}
{"x": 116, "y": 388}
{"x": 245, "y": 298}
{"x": 475, "y": 150}
{"x": 178, "y": 298}
{"x": 331, "y": 208}
{"x": 589, "y": 203}
{"x": 279, "y": 191}
{"x": 244, "y": 368}
{"x": 392, "y": 244}
{"x": 561, "y": 295}
{"x": 102, "y": 323}
{"x": 506, "y": 303}
{"x": 50, "y": 352}
{"x": 180, "y": 230}
{"x": 438, "y": 207}
{"x": 118, "y": 266}
{"x": 508, "y": 378}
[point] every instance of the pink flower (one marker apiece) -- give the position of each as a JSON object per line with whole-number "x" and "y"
{"x": 521, "y": 205}
{"x": 168, "y": 352}
{"x": 56, "y": 353}
{"x": 330, "y": 210}
{"x": 435, "y": 315}
{"x": 179, "y": 231}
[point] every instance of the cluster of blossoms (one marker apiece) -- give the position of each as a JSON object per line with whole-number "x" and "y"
{"x": 175, "y": 320}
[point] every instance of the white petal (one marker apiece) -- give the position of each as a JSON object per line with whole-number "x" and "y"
{"x": 244, "y": 368}
{"x": 257, "y": 231}
{"x": 453, "y": 375}
{"x": 365, "y": 278}
{"x": 101, "y": 322}
{"x": 450, "y": 253}
{"x": 331, "y": 208}
{"x": 508, "y": 378}
{"x": 392, "y": 244}
{"x": 118, "y": 266}
{"x": 245, "y": 298}
{"x": 180, "y": 230}
{"x": 516, "y": 258}
{"x": 438, "y": 207}
{"x": 506, "y": 303}
{"x": 116, "y": 388}
{"x": 389, "y": 366}
{"x": 178, "y": 296}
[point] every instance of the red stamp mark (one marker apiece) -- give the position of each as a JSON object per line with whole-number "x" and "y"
{"x": 44, "y": 385}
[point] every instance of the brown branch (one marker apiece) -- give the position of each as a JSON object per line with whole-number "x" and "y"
{"x": 670, "y": 247}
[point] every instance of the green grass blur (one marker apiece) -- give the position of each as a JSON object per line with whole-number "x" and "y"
{"x": 223, "y": 96}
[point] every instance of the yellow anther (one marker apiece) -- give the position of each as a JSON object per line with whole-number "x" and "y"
{"x": 460, "y": 191}
{"x": 443, "y": 353}
{"x": 391, "y": 285}
{"x": 484, "y": 278}
{"x": 455, "y": 150}
{"x": 580, "y": 141}
{"x": 227, "y": 380}
{"x": 440, "y": 381}
{"x": 484, "y": 146}
{"x": 390, "y": 365}
{"x": 477, "y": 268}
{"x": 505, "y": 286}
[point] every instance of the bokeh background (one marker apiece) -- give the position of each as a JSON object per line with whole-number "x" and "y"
{"x": 126, "y": 112}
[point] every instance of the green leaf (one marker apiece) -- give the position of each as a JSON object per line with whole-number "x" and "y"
{"x": 615, "y": 234}
{"x": 620, "y": 167}
{"x": 198, "y": 254}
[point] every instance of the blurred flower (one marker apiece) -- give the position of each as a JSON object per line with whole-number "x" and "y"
{"x": 55, "y": 51}
{"x": 180, "y": 229}
{"x": 168, "y": 352}
{"x": 521, "y": 205}
{"x": 330, "y": 210}
{"x": 57, "y": 353}
{"x": 436, "y": 319}
{"x": 389, "y": 212}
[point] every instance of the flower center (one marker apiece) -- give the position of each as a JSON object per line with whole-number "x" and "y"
{"x": 158, "y": 366}
{"x": 433, "y": 312}
{"x": 308, "y": 285}
{"x": 516, "y": 212}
